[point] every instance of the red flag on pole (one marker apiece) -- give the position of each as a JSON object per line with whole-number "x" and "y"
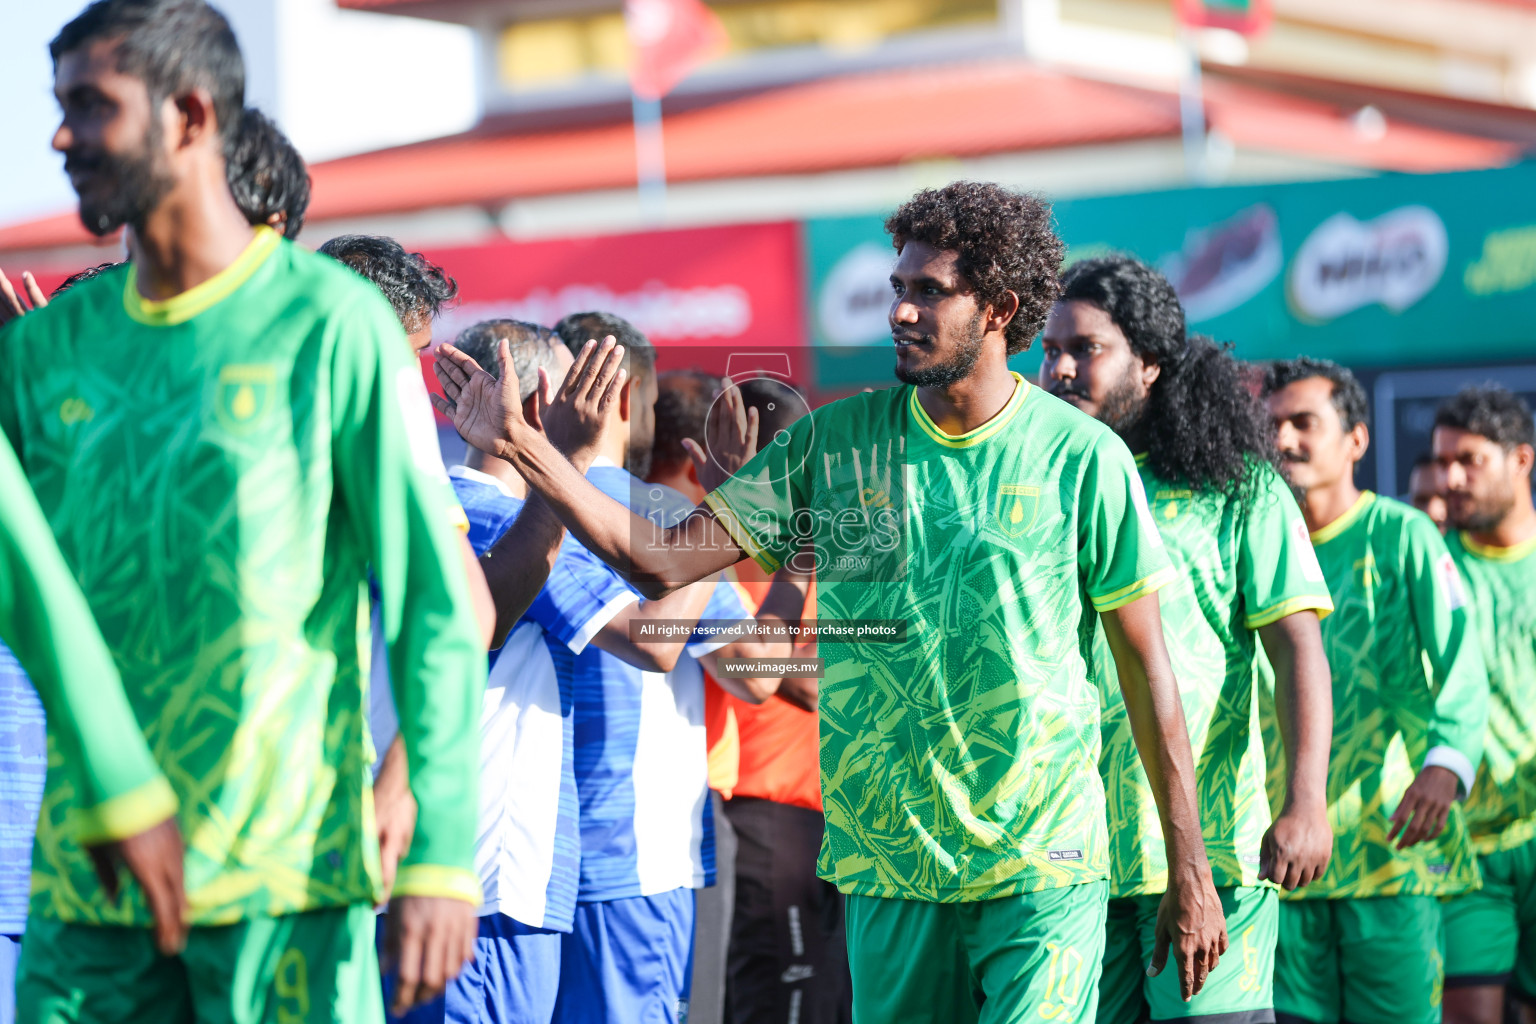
{"x": 667, "y": 40}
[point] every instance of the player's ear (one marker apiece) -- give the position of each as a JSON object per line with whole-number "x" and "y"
{"x": 627, "y": 399}
{"x": 1359, "y": 440}
{"x": 1525, "y": 457}
{"x": 1001, "y": 313}
{"x": 1150, "y": 372}
{"x": 198, "y": 123}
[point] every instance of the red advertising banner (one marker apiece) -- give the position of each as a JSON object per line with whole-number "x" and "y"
{"x": 731, "y": 286}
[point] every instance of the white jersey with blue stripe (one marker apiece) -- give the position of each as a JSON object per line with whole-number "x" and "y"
{"x": 640, "y": 760}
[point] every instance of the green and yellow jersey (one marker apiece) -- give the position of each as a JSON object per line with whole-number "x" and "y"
{"x": 1243, "y": 562}
{"x": 959, "y": 761}
{"x": 1409, "y": 690}
{"x": 221, "y": 471}
{"x": 46, "y": 623}
{"x": 1501, "y": 812}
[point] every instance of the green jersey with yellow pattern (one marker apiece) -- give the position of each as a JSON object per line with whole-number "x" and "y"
{"x": 1409, "y": 690}
{"x": 1501, "y": 812}
{"x": 1243, "y": 561}
{"x": 222, "y": 471}
{"x": 959, "y": 761}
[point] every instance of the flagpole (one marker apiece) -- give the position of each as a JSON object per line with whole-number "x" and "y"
{"x": 650, "y": 159}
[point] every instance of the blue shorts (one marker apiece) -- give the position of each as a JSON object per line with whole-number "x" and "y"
{"x": 626, "y": 961}
{"x": 514, "y": 979}
{"x": 10, "y": 952}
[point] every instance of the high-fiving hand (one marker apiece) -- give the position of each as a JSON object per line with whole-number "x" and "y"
{"x": 14, "y": 304}
{"x": 488, "y": 413}
{"x": 731, "y": 436}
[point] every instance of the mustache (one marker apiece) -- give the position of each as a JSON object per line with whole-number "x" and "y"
{"x": 1295, "y": 456}
{"x": 1062, "y": 390}
{"x": 900, "y": 336}
{"x": 76, "y": 160}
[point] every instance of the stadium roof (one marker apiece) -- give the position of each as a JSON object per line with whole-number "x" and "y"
{"x": 853, "y": 121}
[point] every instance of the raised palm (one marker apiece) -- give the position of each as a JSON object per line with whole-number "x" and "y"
{"x": 485, "y": 411}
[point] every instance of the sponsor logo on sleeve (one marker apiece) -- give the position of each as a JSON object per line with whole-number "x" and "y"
{"x": 1451, "y": 587}
{"x": 1311, "y": 570}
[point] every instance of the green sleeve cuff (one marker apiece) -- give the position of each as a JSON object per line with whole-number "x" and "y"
{"x": 1320, "y": 603}
{"x": 127, "y": 814}
{"x": 727, "y": 517}
{"x": 436, "y": 880}
{"x": 1141, "y": 588}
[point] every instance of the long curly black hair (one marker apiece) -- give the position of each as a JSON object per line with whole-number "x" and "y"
{"x": 1205, "y": 426}
{"x": 1005, "y": 241}
{"x": 417, "y": 288}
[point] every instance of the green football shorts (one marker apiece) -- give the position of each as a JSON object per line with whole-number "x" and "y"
{"x": 1490, "y": 935}
{"x": 1378, "y": 960}
{"x": 1033, "y": 957}
{"x": 1240, "y": 989}
{"x": 318, "y": 967}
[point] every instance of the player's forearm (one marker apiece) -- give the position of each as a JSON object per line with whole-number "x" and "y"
{"x": 1157, "y": 724}
{"x": 1303, "y": 705}
{"x": 625, "y": 637}
{"x": 517, "y": 566}
{"x": 658, "y": 561}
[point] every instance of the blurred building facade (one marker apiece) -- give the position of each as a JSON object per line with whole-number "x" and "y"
{"x": 1356, "y": 188}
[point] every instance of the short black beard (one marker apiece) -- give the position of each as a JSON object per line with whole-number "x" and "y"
{"x": 956, "y": 369}
{"x": 139, "y": 184}
{"x": 1486, "y": 515}
{"x": 1122, "y": 409}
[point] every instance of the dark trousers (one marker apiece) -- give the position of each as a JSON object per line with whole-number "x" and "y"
{"x": 788, "y": 961}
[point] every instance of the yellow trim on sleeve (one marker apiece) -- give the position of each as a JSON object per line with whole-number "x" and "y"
{"x": 1015, "y": 402}
{"x": 1141, "y": 458}
{"x": 126, "y": 814}
{"x": 181, "y": 308}
{"x": 1493, "y": 553}
{"x": 1141, "y": 588}
{"x": 1320, "y": 603}
{"x": 1346, "y": 520}
{"x": 437, "y": 880}
{"x": 727, "y": 517}
{"x": 460, "y": 519}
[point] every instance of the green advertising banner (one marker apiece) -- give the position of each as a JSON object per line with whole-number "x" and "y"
{"x": 1396, "y": 270}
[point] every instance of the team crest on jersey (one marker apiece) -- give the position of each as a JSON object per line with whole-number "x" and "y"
{"x": 245, "y": 396}
{"x": 1017, "y": 507}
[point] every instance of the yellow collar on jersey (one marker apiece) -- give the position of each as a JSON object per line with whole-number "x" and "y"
{"x": 181, "y": 308}
{"x": 972, "y": 437}
{"x": 1493, "y": 553}
{"x": 1346, "y": 520}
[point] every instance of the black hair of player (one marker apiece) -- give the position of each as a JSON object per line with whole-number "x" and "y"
{"x": 1491, "y": 411}
{"x": 172, "y": 46}
{"x": 1204, "y": 427}
{"x": 579, "y": 328}
{"x": 683, "y": 398}
{"x": 80, "y": 276}
{"x": 267, "y": 176}
{"x": 417, "y": 288}
{"x": 778, "y": 406}
{"x": 1005, "y": 243}
{"x": 1348, "y": 396}
{"x": 532, "y": 346}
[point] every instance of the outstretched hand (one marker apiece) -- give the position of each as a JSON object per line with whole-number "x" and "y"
{"x": 14, "y": 304}
{"x": 731, "y": 434}
{"x": 485, "y": 411}
{"x": 586, "y": 401}
{"x": 154, "y": 857}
